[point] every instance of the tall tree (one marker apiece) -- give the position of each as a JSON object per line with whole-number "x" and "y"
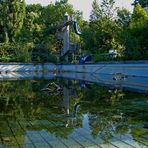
{"x": 101, "y": 34}
{"x": 108, "y": 8}
{"x": 33, "y": 25}
{"x": 105, "y": 9}
{"x": 96, "y": 11}
{"x": 123, "y": 17}
{"x": 143, "y": 3}
{"x": 12, "y": 13}
{"x": 135, "y": 37}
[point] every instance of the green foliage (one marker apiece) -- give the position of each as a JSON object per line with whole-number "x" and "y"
{"x": 15, "y": 52}
{"x": 123, "y": 17}
{"x": 11, "y": 19}
{"x": 109, "y": 29}
{"x": 96, "y": 11}
{"x": 99, "y": 35}
{"x": 127, "y": 34}
{"x": 29, "y": 52}
{"x": 107, "y": 10}
{"x": 143, "y": 3}
{"x": 39, "y": 28}
{"x": 4, "y": 55}
{"x": 32, "y": 27}
{"x": 135, "y": 36}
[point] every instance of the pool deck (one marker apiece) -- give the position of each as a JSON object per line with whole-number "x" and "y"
{"x": 16, "y": 136}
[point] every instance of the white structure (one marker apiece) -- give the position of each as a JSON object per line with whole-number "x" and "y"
{"x": 66, "y": 35}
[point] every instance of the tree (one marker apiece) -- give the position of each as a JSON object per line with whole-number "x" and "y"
{"x": 96, "y": 11}
{"x": 123, "y": 17}
{"x": 101, "y": 33}
{"x": 138, "y": 29}
{"x": 11, "y": 19}
{"x": 106, "y": 9}
{"x": 33, "y": 25}
{"x": 135, "y": 36}
{"x": 143, "y": 3}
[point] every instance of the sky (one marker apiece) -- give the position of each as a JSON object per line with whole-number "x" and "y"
{"x": 84, "y": 5}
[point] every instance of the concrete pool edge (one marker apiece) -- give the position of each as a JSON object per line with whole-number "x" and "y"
{"x": 119, "y": 69}
{"x": 26, "y": 67}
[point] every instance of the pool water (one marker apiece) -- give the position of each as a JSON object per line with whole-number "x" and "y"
{"x": 62, "y": 113}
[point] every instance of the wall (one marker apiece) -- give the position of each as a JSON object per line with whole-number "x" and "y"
{"x": 132, "y": 69}
{"x": 23, "y": 67}
{"x": 138, "y": 68}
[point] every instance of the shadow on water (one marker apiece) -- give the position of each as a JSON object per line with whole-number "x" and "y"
{"x": 60, "y": 112}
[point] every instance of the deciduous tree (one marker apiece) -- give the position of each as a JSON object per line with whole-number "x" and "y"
{"x": 11, "y": 19}
{"x": 143, "y": 3}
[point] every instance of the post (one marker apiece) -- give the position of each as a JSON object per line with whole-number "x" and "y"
{"x": 66, "y": 36}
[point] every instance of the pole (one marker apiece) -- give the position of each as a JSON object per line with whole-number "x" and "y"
{"x": 66, "y": 36}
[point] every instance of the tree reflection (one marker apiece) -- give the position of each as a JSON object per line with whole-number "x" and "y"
{"x": 110, "y": 112}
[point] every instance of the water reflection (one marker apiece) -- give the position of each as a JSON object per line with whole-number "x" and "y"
{"x": 65, "y": 113}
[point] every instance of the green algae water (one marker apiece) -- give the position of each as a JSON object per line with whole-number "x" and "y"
{"x": 60, "y": 113}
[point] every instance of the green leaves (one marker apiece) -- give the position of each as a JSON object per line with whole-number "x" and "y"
{"x": 126, "y": 33}
{"x": 123, "y": 17}
{"x": 137, "y": 31}
{"x": 96, "y": 11}
{"x": 143, "y": 3}
{"x": 101, "y": 34}
{"x": 11, "y": 19}
{"x": 109, "y": 28}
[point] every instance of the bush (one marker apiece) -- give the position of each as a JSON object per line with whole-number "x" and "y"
{"x": 4, "y": 55}
{"x": 15, "y": 52}
{"x": 22, "y": 52}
